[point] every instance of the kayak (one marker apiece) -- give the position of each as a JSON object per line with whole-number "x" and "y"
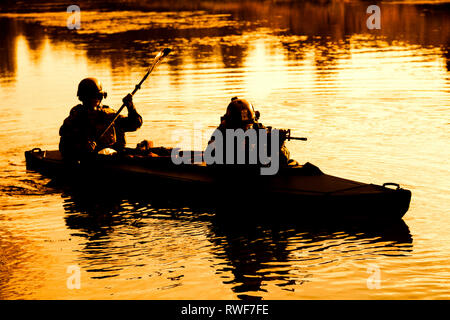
{"x": 302, "y": 192}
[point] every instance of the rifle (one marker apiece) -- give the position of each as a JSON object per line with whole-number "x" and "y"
{"x": 285, "y": 134}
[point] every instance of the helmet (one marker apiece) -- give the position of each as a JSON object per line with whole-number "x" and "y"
{"x": 90, "y": 88}
{"x": 240, "y": 112}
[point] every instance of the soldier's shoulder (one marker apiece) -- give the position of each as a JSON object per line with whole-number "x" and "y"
{"x": 76, "y": 110}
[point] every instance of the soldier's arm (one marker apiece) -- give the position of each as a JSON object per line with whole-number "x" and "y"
{"x": 133, "y": 121}
{"x": 284, "y": 152}
{"x": 130, "y": 123}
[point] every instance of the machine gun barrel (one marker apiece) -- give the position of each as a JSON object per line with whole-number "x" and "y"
{"x": 289, "y": 137}
{"x": 286, "y": 134}
{"x": 297, "y": 138}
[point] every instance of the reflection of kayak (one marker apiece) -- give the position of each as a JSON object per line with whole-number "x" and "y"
{"x": 305, "y": 189}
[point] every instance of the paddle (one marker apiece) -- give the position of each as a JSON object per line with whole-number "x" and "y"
{"x": 158, "y": 58}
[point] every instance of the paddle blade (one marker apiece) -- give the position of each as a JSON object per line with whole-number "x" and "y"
{"x": 156, "y": 61}
{"x": 162, "y": 54}
{"x": 166, "y": 51}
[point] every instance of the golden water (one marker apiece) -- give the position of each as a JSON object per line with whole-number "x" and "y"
{"x": 374, "y": 104}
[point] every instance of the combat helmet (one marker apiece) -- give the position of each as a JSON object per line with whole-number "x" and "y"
{"x": 240, "y": 112}
{"x": 90, "y": 88}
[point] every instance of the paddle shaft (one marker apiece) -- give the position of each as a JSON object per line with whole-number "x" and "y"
{"x": 156, "y": 61}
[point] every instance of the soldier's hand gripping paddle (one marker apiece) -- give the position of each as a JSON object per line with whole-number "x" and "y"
{"x": 159, "y": 57}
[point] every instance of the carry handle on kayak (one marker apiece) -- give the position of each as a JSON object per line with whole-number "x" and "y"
{"x": 391, "y": 184}
{"x": 36, "y": 150}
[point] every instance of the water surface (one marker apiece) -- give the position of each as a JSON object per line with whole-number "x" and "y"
{"x": 374, "y": 105}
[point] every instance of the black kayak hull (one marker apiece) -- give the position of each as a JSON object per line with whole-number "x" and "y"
{"x": 300, "y": 193}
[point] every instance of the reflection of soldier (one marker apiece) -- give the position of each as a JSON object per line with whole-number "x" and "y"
{"x": 268, "y": 252}
{"x": 240, "y": 114}
{"x": 87, "y": 121}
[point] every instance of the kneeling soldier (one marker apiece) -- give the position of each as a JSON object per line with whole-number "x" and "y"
{"x": 240, "y": 114}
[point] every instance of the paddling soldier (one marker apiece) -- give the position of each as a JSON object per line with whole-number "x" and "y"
{"x": 88, "y": 120}
{"x": 240, "y": 114}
